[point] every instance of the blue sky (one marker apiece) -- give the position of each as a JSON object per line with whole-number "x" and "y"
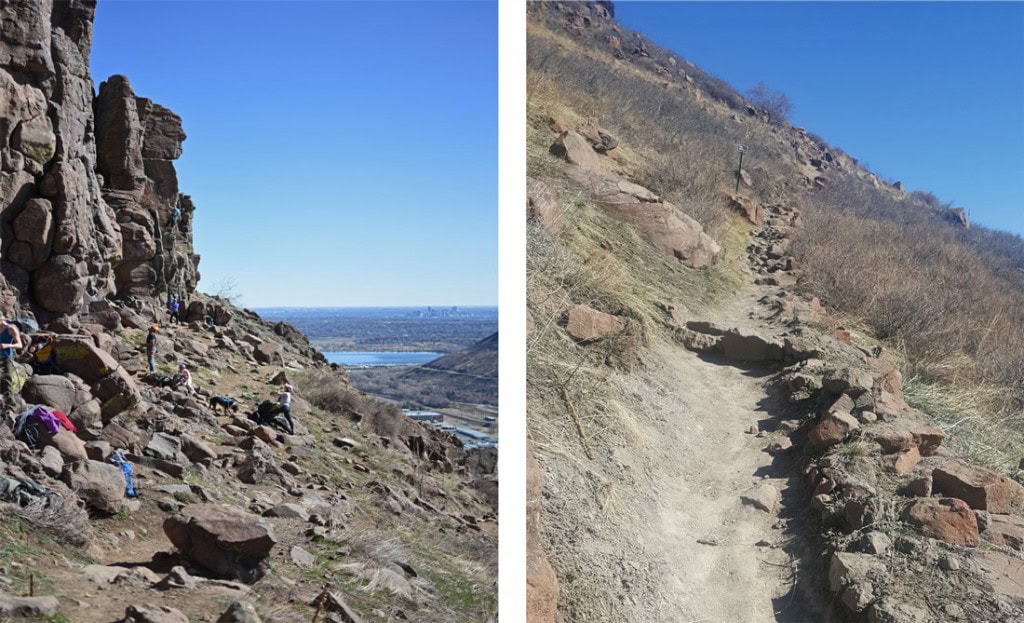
{"x": 931, "y": 94}
{"x": 339, "y": 153}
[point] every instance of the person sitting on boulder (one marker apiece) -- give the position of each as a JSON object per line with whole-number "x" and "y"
{"x": 44, "y": 355}
{"x": 10, "y": 342}
{"x": 151, "y": 349}
{"x": 186, "y": 379}
{"x": 284, "y": 406}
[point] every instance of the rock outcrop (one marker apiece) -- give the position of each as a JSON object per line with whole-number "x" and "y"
{"x": 87, "y": 184}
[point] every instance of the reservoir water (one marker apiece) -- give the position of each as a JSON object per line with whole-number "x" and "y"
{"x": 362, "y": 359}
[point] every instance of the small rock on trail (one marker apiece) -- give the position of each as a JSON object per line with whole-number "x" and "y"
{"x": 763, "y": 497}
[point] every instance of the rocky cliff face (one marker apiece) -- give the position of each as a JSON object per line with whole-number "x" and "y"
{"x": 87, "y": 181}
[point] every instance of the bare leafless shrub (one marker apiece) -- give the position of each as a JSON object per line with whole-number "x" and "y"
{"x": 329, "y": 391}
{"x": 928, "y": 199}
{"x": 62, "y": 518}
{"x": 774, "y": 104}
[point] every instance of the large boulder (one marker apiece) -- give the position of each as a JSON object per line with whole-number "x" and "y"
{"x": 52, "y": 390}
{"x": 946, "y": 519}
{"x": 575, "y": 149}
{"x": 79, "y": 355}
{"x": 225, "y": 540}
{"x": 70, "y": 447}
{"x": 982, "y": 489}
{"x": 164, "y": 446}
{"x": 586, "y": 323}
{"x": 669, "y": 229}
{"x": 117, "y": 392}
{"x": 196, "y": 450}
{"x": 28, "y": 607}
{"x": 100, "y": 485}
{"x": 268, "y": 353}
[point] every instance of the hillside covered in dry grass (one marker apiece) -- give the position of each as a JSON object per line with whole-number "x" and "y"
{"x": 907, "y": 270}
{"x": 854, "y": 341}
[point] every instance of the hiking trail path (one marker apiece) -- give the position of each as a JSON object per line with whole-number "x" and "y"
{"x": 682, "y": 544}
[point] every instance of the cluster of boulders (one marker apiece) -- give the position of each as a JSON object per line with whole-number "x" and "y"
{"x": 587, "y": 150}
{"x": 770, "y": 249}
{"x": 166, "y": 434}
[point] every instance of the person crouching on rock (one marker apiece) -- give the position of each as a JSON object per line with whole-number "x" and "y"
{"x": 186, "y": 379}
{"x": 151, "y": 347}
{"x": 284, "y": 407}
{"x": 10, "y": 342}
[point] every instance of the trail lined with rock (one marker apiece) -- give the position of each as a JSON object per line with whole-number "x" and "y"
{"x": 697, "y": 533}
{"x": 720, "y": 493}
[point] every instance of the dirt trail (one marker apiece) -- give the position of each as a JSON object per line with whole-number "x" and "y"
{"x": 676, "y": 542}
{"x": 703, "y": 461}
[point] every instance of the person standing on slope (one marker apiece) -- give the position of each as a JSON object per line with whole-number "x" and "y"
{"x": 151, "y": 347}
{"x": 10, "y": 342}
{"x": 173, "y": 307}
{"x": 284, "y": 406}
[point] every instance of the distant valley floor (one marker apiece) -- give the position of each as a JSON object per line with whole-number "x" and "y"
{"x": 462, "y": 385}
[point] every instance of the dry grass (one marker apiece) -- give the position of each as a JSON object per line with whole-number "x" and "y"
{"x": 916, "y": 283}
{"x": 950, "y": 299}
{"x": 982, "y": 425}
{"x": 678, "y": 146}
{"x": 600, "y": 263}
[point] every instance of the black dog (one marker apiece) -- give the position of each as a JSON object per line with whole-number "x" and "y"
{"x": 225, "y": 402}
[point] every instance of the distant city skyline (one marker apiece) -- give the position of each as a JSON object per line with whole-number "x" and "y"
{"x": 338, "y": 153}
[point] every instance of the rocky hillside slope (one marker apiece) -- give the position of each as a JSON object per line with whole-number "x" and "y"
{"x": 358, "y": 515}
{"x": 710, "y": 440}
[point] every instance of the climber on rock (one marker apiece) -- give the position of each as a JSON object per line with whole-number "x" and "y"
{"x": 10, "y": 342}
{"x": 175, "y": 216}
